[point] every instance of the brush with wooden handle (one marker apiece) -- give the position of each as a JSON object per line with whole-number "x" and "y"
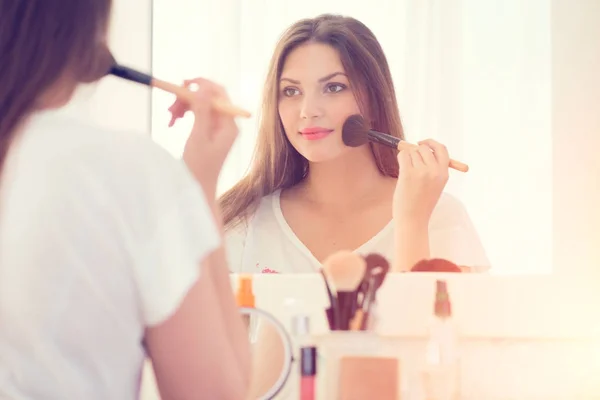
{"x": 377, "y": 269}
{"x": 181, "y": 92}
{"x": 355, "y": 132}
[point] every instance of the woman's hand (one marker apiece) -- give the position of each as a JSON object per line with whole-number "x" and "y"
{"x": 180, "y": 107}
{"x": 422, "y": 177}
{"x": 212, "y": 135}
{"x": 421, "y": 181}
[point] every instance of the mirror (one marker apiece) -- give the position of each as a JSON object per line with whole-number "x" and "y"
{"x": 461, "y": 79}
{"x": 272, "y": 354}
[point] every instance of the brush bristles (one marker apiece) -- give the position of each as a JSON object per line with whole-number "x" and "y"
{"x": 97, "y": 67}
{"x": 377, "y": 260}
{"x": 355, "y": 132}
{"x": 345, "y": 270}
{"x": 131, "y": 74}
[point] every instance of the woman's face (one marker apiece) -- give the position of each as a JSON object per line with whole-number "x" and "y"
{"x": 315, "y": 98}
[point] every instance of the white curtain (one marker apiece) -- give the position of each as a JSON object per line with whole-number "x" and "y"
{"x": 473, "y": 74}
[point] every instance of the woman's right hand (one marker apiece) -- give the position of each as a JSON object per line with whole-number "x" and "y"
{"x": 212, "y": 136}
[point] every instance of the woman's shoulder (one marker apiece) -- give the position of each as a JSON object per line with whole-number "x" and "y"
{"x": 449, "y": 208}
{"x": 256, "y": 227}
{"x": 264, "y": 212}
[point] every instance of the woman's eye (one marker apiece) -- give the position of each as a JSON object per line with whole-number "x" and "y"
{"x": 335, "y": 87}
{"x": 289, "y": 92}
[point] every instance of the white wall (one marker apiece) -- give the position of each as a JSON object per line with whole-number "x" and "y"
{"x": 576, "y": 136}
{"x": 113, "y": 102}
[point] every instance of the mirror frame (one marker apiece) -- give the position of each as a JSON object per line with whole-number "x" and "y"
{"x": 288, "y": 354}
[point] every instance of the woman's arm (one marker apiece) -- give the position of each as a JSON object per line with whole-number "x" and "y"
{"x": 237, "y": 331}
{"x": 423, "y": 173}
{"x": 194, "y": 353}
{"x": 412, "y": 244}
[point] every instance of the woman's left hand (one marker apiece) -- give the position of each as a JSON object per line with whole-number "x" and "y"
{"x": 422, "y": 177}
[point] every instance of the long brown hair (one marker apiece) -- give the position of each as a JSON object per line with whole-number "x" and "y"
{"x": 276, "y": 164}
{"x": 43, "y": 42}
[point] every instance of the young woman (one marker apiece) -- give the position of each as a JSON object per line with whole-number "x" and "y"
{"x": 307, "y": 195}
{"x": 109, "y": 248}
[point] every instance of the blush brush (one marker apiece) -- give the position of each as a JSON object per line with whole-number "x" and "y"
{"x": 344, "y": 270}
{"x": 133, "y": 75}
{"x": 355, "y": 132}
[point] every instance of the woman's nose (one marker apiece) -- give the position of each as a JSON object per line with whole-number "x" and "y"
{"x": 311, "y": 107}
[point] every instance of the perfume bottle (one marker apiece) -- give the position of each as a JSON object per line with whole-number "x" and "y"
{"x": 441, "y": 374}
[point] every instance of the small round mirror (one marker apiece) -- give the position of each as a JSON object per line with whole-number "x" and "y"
{"x": 272, "y": 355}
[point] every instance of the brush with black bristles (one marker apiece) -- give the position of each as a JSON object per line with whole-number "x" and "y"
{"x": 377, "y": 269}
{"x": 355, "y": 132}
{"x": 130, "y": 74}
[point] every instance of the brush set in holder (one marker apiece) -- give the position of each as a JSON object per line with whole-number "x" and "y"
{"x": 352, "y": 282}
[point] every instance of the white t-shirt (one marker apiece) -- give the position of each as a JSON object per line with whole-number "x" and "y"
{"x": 267, "y": 244}
{"x": 101, "y": 235}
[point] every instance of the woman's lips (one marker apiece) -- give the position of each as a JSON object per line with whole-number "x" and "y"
{"x": 315, "y": 133}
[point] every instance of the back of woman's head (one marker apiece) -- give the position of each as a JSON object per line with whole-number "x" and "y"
{"x": 276, "y": 163}
{"x": 47, "y": 47}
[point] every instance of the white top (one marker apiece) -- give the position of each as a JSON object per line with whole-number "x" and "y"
{"x": 267, "y": 244}
{"x": 101, "y": 235}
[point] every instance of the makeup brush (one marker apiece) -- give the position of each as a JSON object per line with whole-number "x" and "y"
{"x": 355, "y": 132}
{"x": 331, "y": 315}
{"x": 359, "y": 321}
{"x": 374, "y": 261}
{"x": 187, "y": 95}
{"x": 344, "y": 271}
{"x": 377, "y": 269}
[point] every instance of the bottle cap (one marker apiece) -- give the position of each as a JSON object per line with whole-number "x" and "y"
{"x": 244, "y": 295}
{"x": 443, "y": 306}
{"x": 308, "y": 361}
{"x": 300, "y": 325}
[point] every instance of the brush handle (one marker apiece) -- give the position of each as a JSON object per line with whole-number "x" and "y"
{"x": 357, "y": 322}
{"x": 454, "y": 164}
{"x": 329, "y": 313}
{"x": 344, "y": 307}
{"x": 392, "y": 141}
{"x": 187, "y": 95}
{"x": 335, "y": 321}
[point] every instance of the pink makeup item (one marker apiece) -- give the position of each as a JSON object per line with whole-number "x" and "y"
{"x": 308, "y": 373}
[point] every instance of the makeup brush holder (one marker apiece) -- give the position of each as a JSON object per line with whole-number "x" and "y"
{"x": 357, "y": 365}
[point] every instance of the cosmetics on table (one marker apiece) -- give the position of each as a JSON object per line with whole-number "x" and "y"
{"x": 441, "y": 373}
{"x": 244, "y": 296}
{"x": 306, "y": 353}
{"x": 308, "y": 373}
